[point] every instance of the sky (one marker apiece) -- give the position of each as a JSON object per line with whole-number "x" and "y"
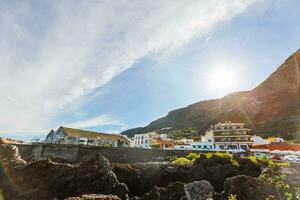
{"x": 110, "y": 66}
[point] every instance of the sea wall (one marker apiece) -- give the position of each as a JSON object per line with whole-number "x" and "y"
{"x": 77, "y": 153}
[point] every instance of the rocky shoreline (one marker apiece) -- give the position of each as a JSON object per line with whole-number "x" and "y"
{"x": 213, "y": 178}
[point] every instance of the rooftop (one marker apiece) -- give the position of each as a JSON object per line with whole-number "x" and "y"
{"x": 93, "y": 134}
{"x": 282, "y": 146}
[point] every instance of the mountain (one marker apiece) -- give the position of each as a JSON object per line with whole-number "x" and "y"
{"x": 272, "y": 108}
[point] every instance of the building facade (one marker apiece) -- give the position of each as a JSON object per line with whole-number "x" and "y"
{"x": 64, "y": 135}
{"x": 257, "y": 140}
{"x": 143, "y": 141}
{"x": 228, "y": 136}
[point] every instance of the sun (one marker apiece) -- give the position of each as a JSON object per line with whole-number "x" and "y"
{"x": 222, "y": 78}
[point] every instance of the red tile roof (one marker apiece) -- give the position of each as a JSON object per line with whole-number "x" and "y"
{"x": 278, "y": 146}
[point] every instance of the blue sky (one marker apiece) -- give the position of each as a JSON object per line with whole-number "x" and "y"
{"x": 114, "y": 65}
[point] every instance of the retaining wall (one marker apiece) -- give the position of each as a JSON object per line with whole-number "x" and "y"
{"x": 77, "y": 153}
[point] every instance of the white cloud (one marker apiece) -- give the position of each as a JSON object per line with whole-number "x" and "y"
{"x": 53, "y": 54}
{"x": 95, "y": 121}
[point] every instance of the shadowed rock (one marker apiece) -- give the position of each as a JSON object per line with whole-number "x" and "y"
{"x": 9, "y": 155}
{"x": 172, "y": 191}
{"x": 247, "y": 188}
{"x": 49, "y": 180}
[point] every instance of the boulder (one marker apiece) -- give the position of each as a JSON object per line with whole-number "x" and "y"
{"x": 247, "y": 188}
{"x": 142, "y": 177}
{"x": 199, "y": 190}
{"x": 9, "y": 155}
{"x": 174, "y": 191}
{"x": 45, "y": 179}
{"x": 94, "y": 176}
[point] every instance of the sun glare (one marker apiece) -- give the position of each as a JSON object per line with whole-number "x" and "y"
{"x": 222, "y": 78}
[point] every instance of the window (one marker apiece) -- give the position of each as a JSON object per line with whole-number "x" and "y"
{"x": 232, "y": 146}
{"x": 146, "y": 141}
{"x": 209, "y": 140}
{"x": 222, "y": 146}
{"x": 243, "y": 146}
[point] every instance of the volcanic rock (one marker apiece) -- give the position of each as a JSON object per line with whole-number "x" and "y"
{"x": 141, "y": 178}
{"x": 9, "y": 155}
{"x": 199, "y": 190}
{"x": 173, "y": 191}
{"x": 247, "y": 188}
{"x": 49, "y": 180}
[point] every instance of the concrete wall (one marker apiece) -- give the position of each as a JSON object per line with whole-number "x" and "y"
{"x": 76, "y": 153}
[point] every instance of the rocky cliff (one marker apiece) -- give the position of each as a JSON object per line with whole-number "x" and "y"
{"x": 272, "y": 108}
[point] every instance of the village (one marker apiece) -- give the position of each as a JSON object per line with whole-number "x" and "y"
{"x": 222, "y": 137}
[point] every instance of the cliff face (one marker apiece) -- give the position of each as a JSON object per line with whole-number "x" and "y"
{"x": 273, "y": 107}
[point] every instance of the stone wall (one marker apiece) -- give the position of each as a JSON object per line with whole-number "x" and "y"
{"x": 77, "y": 153}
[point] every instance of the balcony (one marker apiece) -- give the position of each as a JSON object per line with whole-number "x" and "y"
{"x": 232, "y": 133}
{"x": 233, "y": 139}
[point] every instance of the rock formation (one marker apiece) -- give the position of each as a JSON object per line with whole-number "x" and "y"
{"x": 247, "y": 188}
{"x": 141, "y": 178}
{"x": 9, "y": 155}
{"x": 45, "y": 179}
{"x": 172, "y": 191}
{"x": 199, "y": 190}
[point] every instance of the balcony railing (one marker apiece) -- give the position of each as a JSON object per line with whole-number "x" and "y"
{"x": 233, "y": 139}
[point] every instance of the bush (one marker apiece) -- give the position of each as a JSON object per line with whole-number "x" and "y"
{"x": 252, "y": 158}
{"x": 232, "y": 197}
{"x": 155, "y": 146}
{"x": 267, "y": 161}
{"x": 283, "y": 164}
{"x": 181, "y": 161}
{"x": 192, "y": 157}
{"x": 225, "y": 155}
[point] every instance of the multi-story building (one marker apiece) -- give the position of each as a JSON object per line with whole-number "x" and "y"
{"x": 228, "y": 136}
{"x": 64, "y": 135}
{"x": 152, "y": 139}
{"x": 144, "y": 140}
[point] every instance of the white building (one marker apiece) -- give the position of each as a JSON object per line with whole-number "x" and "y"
{"x": 257, "y": 140}
{"x": 64, "y": 135}
{"x": 203, "y": 146}
{"x": 143, "y": 140}
{"x": 228, "y": 136}
{"x": 186, "y": 141}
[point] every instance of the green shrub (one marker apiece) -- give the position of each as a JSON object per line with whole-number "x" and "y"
{"x": 232, "y": 197}
{"x": 283, "y": 164}
{"x": 252, "y": 158}
{"x": 267, "y": 161}
{"x": 225, "y": 155}
{"x": 192, "y": 157}
{"x": 288, "y": 196}
{"x": 181, "y": 161}
{"x": 155, "y": 146}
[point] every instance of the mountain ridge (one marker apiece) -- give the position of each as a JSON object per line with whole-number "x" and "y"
{"x": 271, "y": 108}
